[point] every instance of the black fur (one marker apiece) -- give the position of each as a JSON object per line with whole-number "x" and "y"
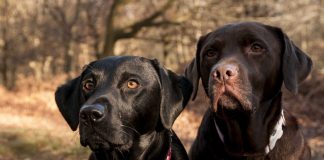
{"x": 118, "y": 122}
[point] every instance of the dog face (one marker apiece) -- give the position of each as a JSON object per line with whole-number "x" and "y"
{"x": 118, "y": 99}
{"x": 244, "y": 64}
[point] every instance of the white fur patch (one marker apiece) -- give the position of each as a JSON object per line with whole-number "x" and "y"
{"x": 275, "y": 136}
{"x": 220, "y": 134}
{"x": 276, "y": 133}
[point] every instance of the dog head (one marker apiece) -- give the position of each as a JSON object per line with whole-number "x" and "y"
{"x": 118, "y": 99}
{"x": 244, "y": 64}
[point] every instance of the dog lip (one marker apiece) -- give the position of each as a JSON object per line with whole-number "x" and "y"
{"x": 97, "y": 142}
{"x": 99, "y": 146}
{"x": 222, "y": 89}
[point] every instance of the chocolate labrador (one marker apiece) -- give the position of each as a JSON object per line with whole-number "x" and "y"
{"x": 242, "y": 67}
{"x": 126, "y": 107}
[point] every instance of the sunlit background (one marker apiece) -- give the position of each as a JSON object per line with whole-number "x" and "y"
{"x": 43, "y": 43}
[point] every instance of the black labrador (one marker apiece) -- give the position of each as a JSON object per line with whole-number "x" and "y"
{"x": 126, "y": 107}
{"x": 242, "y": 67}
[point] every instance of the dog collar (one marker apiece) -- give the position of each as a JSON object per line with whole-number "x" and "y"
{"x": 275, "y": 136}
{"x": 170, "y": 147}
{"x": 169, "y": 154}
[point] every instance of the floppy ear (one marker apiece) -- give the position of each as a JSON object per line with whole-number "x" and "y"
{"x": 175, "y": 93}
{"x": 69, "y": 99}
{"x": 192, "y": 71}
{"x": 296, "y": 65}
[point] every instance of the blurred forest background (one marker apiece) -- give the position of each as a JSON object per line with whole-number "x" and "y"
{"x": 43, "y": 43}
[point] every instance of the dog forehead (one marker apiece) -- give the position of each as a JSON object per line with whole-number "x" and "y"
{"x": 117, "y": 65}
{"x": 121, "y": 62}
{"x": 237, "y": 31}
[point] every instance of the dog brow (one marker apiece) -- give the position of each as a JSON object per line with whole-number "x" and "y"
{"x": 86, "y": 66}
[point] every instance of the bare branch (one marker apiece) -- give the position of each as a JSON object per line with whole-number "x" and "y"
{"x": 111, "y": 13}
{"x": 120, "y": 34}
{"x": 133, "y": 29}
{"x": 59, "y": 16}
{"x": 76, "y": 13}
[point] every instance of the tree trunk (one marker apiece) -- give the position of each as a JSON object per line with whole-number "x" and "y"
{"x": 4, "y": 69}
{"x": 110, "y": 40}
{"x": 109, "y": 46}
{"x": 7, "y": 71}
{"x": 67, "y": 58}
{"x": 68, "y": 55}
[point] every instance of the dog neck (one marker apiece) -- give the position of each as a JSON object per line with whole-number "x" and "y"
{"x": 158, "y": 142}
{"x": 253, "y": 135}
{"x": 148, "y": 146}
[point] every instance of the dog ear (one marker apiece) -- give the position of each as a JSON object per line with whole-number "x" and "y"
{"x": 69, "y": 99}
{"x": 192, "y": 71}
{"x": 296, "y": 65}
{"x": 175, "y": 92}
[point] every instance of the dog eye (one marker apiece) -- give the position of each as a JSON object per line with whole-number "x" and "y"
{"x": 132, "y": 84}
{"x": 211, "y": 53}
{"x": 89, "y": 85}
{"x": 256, "y": 47}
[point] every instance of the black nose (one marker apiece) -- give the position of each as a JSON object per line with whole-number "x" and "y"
{"x": 223, "y": 73}
{"x": 93, "y": 113}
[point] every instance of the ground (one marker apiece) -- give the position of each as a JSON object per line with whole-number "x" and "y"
{"x": 31, "y": 127}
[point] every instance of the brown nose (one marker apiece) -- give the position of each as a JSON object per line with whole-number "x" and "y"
{"x": 226, "y": 72}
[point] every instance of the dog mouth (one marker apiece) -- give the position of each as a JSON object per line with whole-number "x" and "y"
{"x": 98, "y": 141}
{"x": 95, "y": 143}
{"x": 226, "y": 98}
{"x": 228, "y": 101}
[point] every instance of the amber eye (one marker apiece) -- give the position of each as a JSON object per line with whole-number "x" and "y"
{"x": 132, "y": 84}
{"x": 255, "y": 47}
{"x": 89, "y": 85}
{"x": 211, "y": 53}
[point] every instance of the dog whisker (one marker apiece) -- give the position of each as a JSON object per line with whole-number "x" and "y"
{"x": 133, "y": 129}
{"x": 126, "y": 133}
{"x": 121, "y": 153}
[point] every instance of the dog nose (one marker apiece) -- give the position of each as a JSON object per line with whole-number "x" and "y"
{"x": 225, "y": 72}
{"x": 93, "y": 113}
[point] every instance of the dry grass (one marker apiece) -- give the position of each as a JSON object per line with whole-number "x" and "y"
{"x": 31, "y": 127}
